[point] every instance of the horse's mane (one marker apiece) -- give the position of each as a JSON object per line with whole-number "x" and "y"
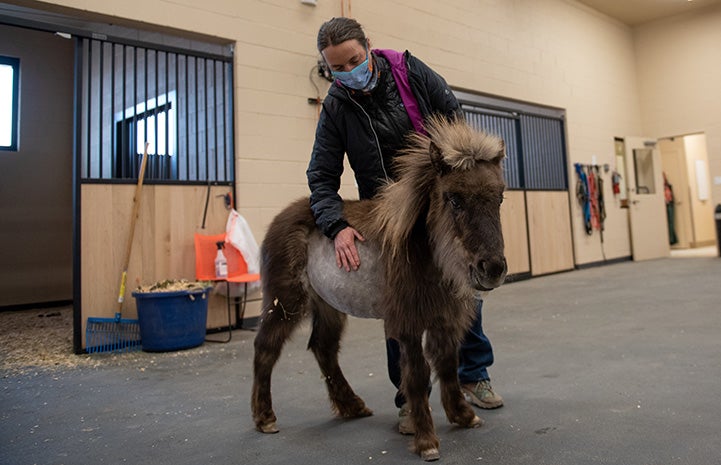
{"x": 400, "y": 203}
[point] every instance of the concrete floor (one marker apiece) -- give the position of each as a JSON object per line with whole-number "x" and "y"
{"x": 619, "y": 364}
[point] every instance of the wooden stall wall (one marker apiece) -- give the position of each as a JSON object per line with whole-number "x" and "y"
{"x": 515, "y": 232}
{"x": 549, "y": 226}
{"x": 162, "y": 246}
{"x": 537, "y": 232}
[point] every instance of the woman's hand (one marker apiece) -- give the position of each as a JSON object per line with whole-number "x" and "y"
{"x": 346, "y": 253}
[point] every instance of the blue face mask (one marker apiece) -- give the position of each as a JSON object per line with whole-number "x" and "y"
{"x": 357, "y": 78}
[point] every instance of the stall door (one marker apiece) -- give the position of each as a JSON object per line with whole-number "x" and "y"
{"x": 647, "y": 209}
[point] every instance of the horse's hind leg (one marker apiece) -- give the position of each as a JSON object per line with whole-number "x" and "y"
{"x": 444, "y": 356}
{"x": 277, "y": 324}
{"x": 328, "y": 326}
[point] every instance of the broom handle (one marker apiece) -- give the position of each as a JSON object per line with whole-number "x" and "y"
{"x": 133, "y": 218}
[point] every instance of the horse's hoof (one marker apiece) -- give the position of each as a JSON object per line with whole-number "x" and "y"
{"x": 476, "y": 422}
{"x": 430, "y": 455}
{"x": 354, "y": 412}
{"x": 268, "y": 428}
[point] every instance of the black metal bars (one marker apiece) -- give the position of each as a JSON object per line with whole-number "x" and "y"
{"x": 182, "y": 104}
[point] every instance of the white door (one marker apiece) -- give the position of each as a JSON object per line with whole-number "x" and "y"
{"x": 647, "y": 208}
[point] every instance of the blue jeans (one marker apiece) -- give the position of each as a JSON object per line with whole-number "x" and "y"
{"x": 474, "y": 357}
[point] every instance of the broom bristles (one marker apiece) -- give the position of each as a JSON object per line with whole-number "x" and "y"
{"x": 112, "y": 335}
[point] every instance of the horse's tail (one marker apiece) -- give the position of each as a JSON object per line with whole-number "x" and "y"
{"x": 284, "y": 256}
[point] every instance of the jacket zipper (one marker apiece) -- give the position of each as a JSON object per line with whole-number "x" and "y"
{"x": 375, "y": 136}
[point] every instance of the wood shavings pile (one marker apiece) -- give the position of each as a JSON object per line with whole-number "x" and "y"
{"x": 38, "y": 339}
{"x": 170, "y": 285}
{"x": 33, "y": 341}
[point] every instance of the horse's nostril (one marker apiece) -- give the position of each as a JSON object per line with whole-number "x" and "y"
{"x": 492, "y": 267}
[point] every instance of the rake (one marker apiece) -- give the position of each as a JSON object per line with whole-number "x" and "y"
{"x": 119, "y": 334}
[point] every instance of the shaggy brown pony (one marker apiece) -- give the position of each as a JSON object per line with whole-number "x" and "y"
{"x": 433, "y": 244}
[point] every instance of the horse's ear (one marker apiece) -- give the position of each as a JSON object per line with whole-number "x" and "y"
{"x": 498, "y": 159}
{"x": 442, "y": 168}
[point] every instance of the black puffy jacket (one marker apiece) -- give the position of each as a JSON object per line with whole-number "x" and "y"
{"x": 369, "y": 128}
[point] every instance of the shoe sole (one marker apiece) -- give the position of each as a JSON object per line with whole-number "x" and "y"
{"x": 480, "y": 404}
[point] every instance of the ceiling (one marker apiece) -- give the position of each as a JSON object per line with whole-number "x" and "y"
{"x": 634, "y": 12}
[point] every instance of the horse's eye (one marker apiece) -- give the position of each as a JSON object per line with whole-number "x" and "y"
{"x": 454, "y": 201}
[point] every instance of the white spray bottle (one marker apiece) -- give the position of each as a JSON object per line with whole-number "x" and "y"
{"x": 221, "y": 264}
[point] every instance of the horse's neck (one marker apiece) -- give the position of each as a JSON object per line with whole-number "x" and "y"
{"x": 396, "y": 216}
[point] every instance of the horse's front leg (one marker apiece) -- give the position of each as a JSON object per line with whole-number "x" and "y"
{"x": 442, "y": 347}
{"x": 415, "y": 376}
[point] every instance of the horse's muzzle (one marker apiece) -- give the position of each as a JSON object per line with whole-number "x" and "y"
{"x": 488, "y": 274}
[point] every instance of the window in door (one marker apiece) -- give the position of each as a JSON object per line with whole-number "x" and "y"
{"x": 643, "y": 165}
{"x": 9, "y": 84}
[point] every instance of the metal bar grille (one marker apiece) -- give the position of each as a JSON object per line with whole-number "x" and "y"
{"x": 544, "y": 158}
{"x": 535, "y": 146}
{"x": 505, "y": 128}
{"x": 180, "y": 104}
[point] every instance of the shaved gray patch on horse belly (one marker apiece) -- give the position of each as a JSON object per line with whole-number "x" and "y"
{"x": 357, "y": 292}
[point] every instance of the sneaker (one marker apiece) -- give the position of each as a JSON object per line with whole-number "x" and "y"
{"x": 405, "y": 420}
{"x": 481, "y": 395}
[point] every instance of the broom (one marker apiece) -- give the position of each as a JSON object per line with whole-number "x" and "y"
{"x": 119, "y": 334}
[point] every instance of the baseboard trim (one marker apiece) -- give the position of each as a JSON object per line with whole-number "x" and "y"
{"x": 612, "y": 261}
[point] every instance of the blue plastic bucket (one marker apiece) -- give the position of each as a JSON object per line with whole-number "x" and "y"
{"x": 172, "y": 320}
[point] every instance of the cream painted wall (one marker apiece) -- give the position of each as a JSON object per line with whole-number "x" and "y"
{"x": 549, "y": 52}
{"x": 679, "y": 71}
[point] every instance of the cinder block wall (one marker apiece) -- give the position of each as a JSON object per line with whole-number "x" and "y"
{"x": 549, "y": 52}
{"x": 679, "y": 68}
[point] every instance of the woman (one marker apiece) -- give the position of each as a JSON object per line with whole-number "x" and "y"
{"x": 378, "y": 97}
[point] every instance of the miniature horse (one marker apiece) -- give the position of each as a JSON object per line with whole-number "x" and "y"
{"x": 433, "y": 245}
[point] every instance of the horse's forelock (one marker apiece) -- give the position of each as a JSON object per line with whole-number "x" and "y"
{"x": 461, "y": 145}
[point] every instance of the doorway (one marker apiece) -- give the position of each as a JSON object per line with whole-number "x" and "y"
{"x": 639, "y": 161}
{"x": 36, "y": 204}
{"x": 691, "y": 217}
{"x": 666, "y": 189}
